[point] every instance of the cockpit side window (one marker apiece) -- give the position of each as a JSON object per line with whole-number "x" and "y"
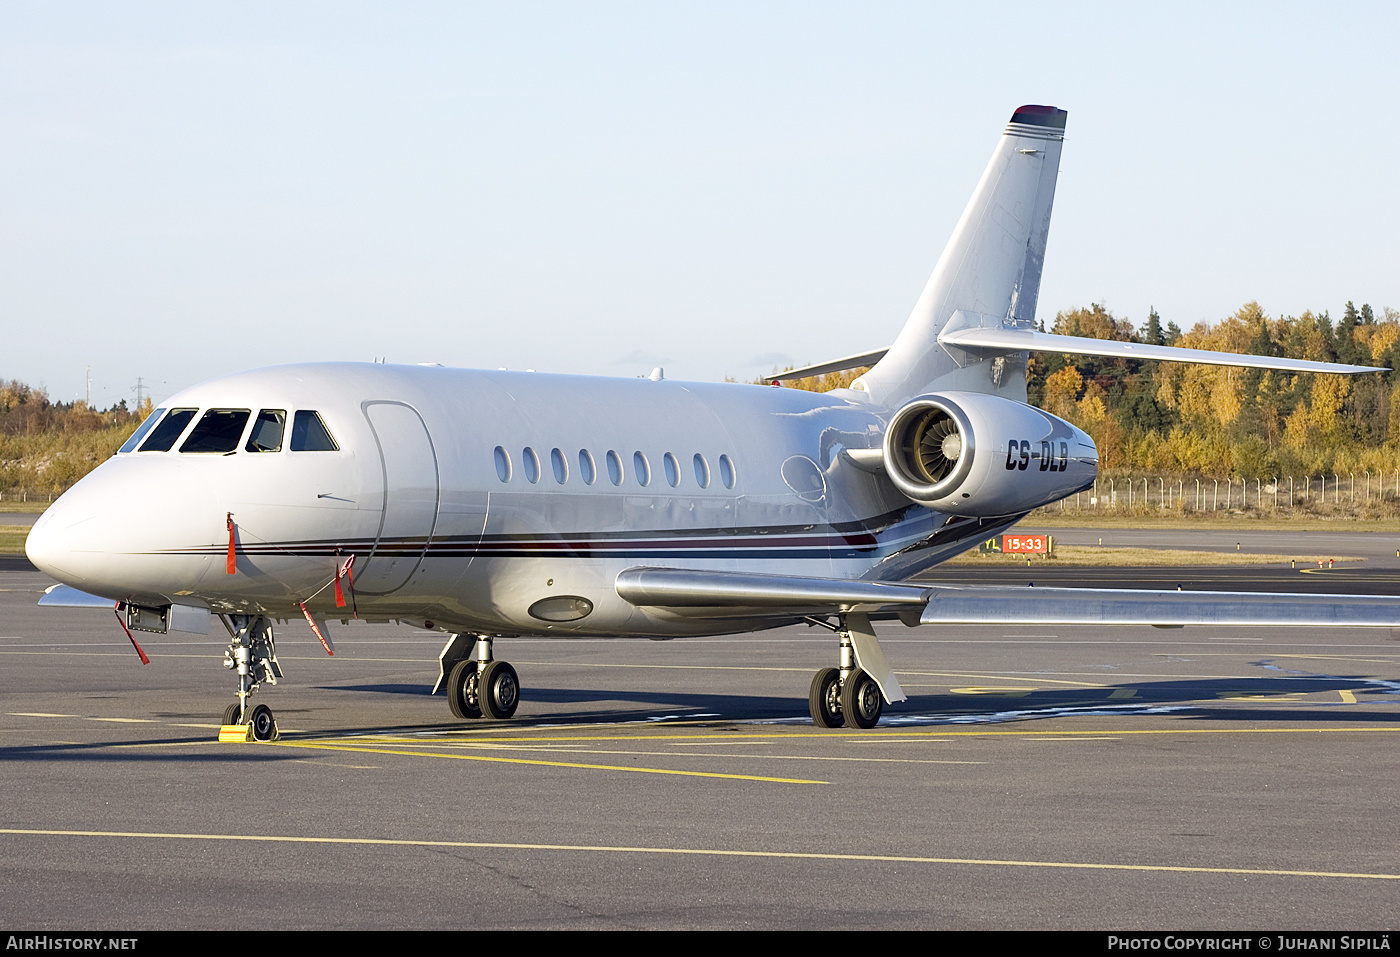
{"x": 267, "y": 431}
{"x": 218, "y": 431}
{"x": 309, "y": 433}
{"x": 140, "y": 433}
{"x": 165, "y": 434}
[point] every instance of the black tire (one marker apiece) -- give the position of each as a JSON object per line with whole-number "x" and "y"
{"x": 500, "y": 691}
{"x": 461, "y": 690}
{"x": 263, "y": 724}
{"x": 861, "y": 701}
{"x": 232, "y": 713}
{"x": 824, "y": 699}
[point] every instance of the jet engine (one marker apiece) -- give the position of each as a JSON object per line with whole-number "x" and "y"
{"x": 981, "y": 455}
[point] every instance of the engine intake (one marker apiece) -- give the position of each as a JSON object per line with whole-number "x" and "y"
{"x": 971, "y": 454}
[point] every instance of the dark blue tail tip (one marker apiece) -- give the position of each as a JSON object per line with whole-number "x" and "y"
{"x": 1046, "y": 116}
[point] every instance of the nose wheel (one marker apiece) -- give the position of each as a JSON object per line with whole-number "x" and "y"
{"x": 262, "y": 724}
{"x": 252, "y": 654}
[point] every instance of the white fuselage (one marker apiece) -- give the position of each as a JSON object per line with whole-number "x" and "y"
{"x": 469, "y": 498}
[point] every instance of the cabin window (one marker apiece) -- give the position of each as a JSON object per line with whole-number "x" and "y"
{"x": 726, "y": 471}
{"x": 560, "y": 466}
{"x": 642, "y": 468}
{"x": 267, "y": 431}
{"x": 702, "y": 471}
{"x": 673, "y": 470}
{"x": 140, "y": 433}
{"x": 165, "y": 434}
{"x": 218, "y": 431}
{"x": 309, "y": 433}
{"x": 531, "y": 461}
{"x": 586, "y": 467}
{"x": 614, "y": 467}
{"x": 502, "y": 464}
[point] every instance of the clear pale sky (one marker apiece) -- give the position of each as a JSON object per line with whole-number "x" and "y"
{"x": 191, "y": 189}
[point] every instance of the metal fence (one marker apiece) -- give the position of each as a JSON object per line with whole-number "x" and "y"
{"x": 25, "y": 495}
{"x": 1195, "y": 494}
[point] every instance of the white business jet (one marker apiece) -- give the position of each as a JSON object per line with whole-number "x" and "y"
{"x": 483, "y": 504}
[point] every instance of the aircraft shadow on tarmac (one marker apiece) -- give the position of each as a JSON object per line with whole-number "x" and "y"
{"x": 1281, "y": 699}
{"x": 1267, "y": 698}
{"x": 1263, "y": 700}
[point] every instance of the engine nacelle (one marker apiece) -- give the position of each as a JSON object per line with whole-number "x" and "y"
{"x": 971, "y": 454}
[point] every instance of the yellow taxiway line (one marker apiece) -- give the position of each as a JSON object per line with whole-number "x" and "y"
{"x": 454, "y": 738}
{"x": 705, "y": 852}
{"x": 537, "y": 761}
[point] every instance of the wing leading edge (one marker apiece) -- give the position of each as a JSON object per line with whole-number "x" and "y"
{"x": 731, "y": 594}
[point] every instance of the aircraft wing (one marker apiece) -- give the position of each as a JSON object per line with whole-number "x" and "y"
{"x": 973, "y": 604}
{"x": 725, "y": 594}
{"x": 717, "y": 594}
{"x": 782, "y": 594}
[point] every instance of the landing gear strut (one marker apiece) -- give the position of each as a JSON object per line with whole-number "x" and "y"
{"x": 480, "y": 686}
{"x": 848, "y": 695}
{"x": 252, "y": 654}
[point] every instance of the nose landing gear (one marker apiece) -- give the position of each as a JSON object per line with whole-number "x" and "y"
{"x": 253, "y": 655}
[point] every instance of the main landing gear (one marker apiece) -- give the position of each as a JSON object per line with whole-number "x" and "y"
{"x": 479, "y": 686}
{"x": 847, "y": 695}
{"x": 252, "y": 654}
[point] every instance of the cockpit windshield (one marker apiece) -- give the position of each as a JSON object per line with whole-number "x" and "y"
{"x": 309, "y": 434}
{"x": 218, "y": 431}
{"x": 165, "y": 434}
{"x": 140, "y": 433}
{"x": 267, "y": 431}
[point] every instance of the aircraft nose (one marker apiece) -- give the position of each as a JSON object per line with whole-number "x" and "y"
{"x": 54, "y": 545}
{"x": 112, "y": 533}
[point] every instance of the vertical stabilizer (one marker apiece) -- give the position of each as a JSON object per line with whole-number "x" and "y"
{"x": 989, "y": 272}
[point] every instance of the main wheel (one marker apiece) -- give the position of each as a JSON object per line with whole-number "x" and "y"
{"x": 264, "y": 726}
{"x": 824, "y": 699}
{"x": 500, "y": 690}
{"x": 232, "y": 713}
{"x": 861, "y": 701}
{"x": 461, "y": 690}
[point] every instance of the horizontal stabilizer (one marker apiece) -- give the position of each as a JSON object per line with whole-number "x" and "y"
{"x": 977, "y": 604}
{"x": 1002, "y": 341}
{"x": 858, "y": 361}
{"x": 1028, "y": 340}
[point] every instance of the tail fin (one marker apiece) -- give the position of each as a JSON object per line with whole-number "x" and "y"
{"x": 989, "y": 271}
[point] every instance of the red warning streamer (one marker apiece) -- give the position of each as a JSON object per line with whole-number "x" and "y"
{"x": 117, "y": 611}
{"x": 232, "y": 567}
{"x": 314, "y": 627}
{"x": 344, "y": 570}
